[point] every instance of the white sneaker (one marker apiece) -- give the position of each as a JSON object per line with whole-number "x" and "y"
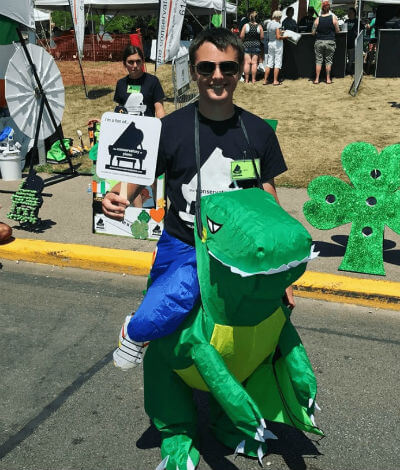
{"x": 129, "y": 352}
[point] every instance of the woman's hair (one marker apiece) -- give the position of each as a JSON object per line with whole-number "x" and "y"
{"x": 253, "y": 16}
{"x": 130, "y": 50}
{"x": 221, "y": 38}
{"x": 276, "y": 14}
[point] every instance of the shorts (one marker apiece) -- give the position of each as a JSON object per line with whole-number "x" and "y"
{"x": 275, "y": 53}
{"x": 252, "y": 50}
{"x": 324, "y": 49}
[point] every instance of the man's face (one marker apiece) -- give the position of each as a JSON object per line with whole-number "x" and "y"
{"x": 217, "y": 87}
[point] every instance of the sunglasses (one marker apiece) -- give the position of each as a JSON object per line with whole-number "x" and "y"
{"x": 206, "y": 68}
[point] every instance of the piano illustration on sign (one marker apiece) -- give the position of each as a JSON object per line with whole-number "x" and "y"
{"x": 127, "y": 153}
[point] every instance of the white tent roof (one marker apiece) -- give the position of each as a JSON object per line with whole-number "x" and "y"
{"x": 134, "y": 6}
{"x": 41, "y": 15}
{"x": 21, "y": 11}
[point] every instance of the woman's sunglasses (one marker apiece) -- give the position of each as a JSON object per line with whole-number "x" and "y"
{"x": 206, "y": 68}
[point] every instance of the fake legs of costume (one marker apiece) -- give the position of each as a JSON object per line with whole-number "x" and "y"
{"x": 173, "y": 412}
{"x": 172, "y": 294}
{"x": 169, "y": 403}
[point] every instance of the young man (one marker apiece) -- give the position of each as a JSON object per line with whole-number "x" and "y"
{"x": 216, "y": 57}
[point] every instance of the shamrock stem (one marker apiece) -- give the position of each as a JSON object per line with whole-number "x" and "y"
{"x": 364, "y": 251}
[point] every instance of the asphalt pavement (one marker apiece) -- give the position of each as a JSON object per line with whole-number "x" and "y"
{"x": 66, "y": 238}
{"x": 66, "y": 407}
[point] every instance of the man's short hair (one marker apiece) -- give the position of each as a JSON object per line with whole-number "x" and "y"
{"x": 222, "y": 38}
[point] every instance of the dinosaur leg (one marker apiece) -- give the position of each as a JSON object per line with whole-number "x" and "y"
{"x": 284, "y": 385}
{"x": 169, "y": 404}
{"x": 237, "y": 404}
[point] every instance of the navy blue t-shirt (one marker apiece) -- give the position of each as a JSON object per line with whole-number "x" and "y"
{"x": 221, "y": 142}
{"x": 147, "y": 90}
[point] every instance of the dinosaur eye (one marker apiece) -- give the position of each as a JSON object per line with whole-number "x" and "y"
{"x": 213, "y": 226}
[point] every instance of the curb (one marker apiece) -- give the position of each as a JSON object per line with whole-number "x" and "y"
{"x": 78, "y": 256}
{"x": 316, "y": 285}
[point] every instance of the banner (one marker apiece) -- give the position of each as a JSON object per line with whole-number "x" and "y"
{"x": 170, "y": 24}
{"x": 78, "y": 18}
{"x": 316, "y": 4}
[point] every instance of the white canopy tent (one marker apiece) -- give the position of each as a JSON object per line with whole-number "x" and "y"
{"x": 20, "y": 11}
{"x": 135, "y": 7}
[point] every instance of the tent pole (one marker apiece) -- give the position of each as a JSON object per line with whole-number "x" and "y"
{"x": 359, "y": 17}
{"x": 79, "y": 54}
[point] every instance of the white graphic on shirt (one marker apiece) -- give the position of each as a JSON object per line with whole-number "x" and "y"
{"x": 134, "y": 104}
{"x": 215, "y": 178}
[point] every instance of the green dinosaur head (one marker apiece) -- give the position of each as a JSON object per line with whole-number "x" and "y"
{"x": 250, "y": 248}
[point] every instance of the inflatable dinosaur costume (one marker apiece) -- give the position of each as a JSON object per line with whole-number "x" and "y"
{"x": 238, "y": 343}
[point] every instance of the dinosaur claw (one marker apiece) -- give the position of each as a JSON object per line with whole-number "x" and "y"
{"x": 240, "y": 448}
{"x": 163, "y": 464}
{"x": 260, "y": 454}
{"x": 190, "y": 464}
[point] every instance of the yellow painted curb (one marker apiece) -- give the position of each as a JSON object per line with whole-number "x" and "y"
{"x": 316, "y": 285}
{"x": 78, "y": 256}
{"x": 336, "y": 288}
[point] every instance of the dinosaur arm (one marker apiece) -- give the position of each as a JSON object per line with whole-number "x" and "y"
{"x": 229, "y": 393}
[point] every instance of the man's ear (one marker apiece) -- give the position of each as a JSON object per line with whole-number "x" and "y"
{"x": 193, "y": 73}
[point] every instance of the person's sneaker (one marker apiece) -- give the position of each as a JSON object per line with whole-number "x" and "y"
{"x": 129, "y": 352}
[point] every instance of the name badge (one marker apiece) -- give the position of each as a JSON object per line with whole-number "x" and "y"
{"x": 133, "y": 89}
{"x": 244, "y": 169}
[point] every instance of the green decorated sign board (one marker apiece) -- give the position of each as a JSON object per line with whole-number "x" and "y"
{"x": 369, "y": 203}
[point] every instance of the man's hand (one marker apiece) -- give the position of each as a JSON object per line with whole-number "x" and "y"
{"x": 114, "y": 206}
{"x": 289, "y": 298}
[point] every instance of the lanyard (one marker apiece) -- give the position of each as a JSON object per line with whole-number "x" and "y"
{"x": 198, "y": 166}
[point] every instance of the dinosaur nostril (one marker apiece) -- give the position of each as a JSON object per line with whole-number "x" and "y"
{"x": 260, "y": 252}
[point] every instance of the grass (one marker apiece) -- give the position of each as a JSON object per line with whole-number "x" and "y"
{"x": 315, "y": 122}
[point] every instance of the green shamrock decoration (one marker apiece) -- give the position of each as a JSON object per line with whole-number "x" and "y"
{"x": 25, "y": 206}
{"x": 371, "y": 203}
{"x": 140, "y": 230}
{"x": 144, "y": 217}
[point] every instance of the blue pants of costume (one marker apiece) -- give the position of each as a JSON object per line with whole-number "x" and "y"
{"x": 172, "y": 294}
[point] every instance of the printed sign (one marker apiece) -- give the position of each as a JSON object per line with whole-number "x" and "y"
{"x": 128, "y": 148}
{"x": 182, "y": 73}
{"x": 143, "y": 223}
{"x": 170, "y": 24}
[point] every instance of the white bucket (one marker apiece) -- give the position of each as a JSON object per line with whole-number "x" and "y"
{"x": 10, "y": 166}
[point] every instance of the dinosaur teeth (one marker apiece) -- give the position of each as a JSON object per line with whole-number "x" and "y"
{"x": 284, "y": 267}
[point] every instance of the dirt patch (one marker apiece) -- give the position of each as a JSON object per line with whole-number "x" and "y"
{"x": 315, "y": 121}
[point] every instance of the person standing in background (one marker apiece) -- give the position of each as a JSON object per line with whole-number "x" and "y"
{"x": 275, "y": 48}
{"x": 307, "y": 21}
{"x": 141, "y": 83}
{"x": 352, "y": 29}
{"x": 252, "y": 35}
{"x": 325, "y": 28}
{"x": 289, "y": 22}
